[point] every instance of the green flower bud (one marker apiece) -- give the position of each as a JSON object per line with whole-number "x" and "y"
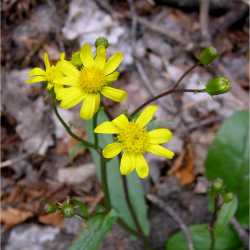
{"x": 208, "y": 55}
{"x": 68, "y": 210}
{"x": 75, "y": 59}
{"x": 51, "y": 208}
{"x": 217, "y": 185}
{"x": 218, "y": 85}
{"x": 227, "y": 197}
{"x": 101, "y": 41}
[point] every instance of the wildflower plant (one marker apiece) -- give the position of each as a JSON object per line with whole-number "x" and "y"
{"x": 87, "y": 78}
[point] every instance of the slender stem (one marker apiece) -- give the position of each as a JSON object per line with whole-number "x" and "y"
{"x": 70, "y": 132}
{"x": 133, "y": 214}
{"x": 213, "y": 220}
{"x": 165, "y": 93}
{"x": 96, "y": 142}
{"x": 104, "y": 180}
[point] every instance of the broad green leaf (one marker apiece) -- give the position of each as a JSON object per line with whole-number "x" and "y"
{"x": 227, "y": 240}
{"x": 225, "y": 214}
{"x": 136, "y": 191}
{"x": 95, "y": 232}
{"x": 228, "y": 158}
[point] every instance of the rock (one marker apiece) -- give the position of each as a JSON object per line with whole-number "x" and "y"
{"x": 33, "y": 122}
{"x": 76, "y": 175}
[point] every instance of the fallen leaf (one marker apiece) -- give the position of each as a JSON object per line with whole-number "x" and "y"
{"x": 13, "y": 216}
{"x": 183, "y": 167}
{"x": 55, "y": 219}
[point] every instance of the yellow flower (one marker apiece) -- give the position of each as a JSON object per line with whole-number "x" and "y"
{"x": 134, "y": 140}
{"x": 51, "y": 74}
{"x": 91, "y": 81}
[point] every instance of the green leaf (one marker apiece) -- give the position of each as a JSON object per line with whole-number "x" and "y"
{"x": 227, "y": 240}
{"x": 136, "y": 191}
{"x": 82, "y": 207}
{"x": 93, "y": 235}
{"x": 228, "y": 158}
{"x": 225, "y": 214}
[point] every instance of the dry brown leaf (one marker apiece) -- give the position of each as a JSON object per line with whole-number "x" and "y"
{"x": 13, "y": 216}
{"x": 183, "y": 167}
{"x": 55, "y": 219}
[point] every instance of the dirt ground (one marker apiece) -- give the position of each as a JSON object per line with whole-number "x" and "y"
{"x": 160, "y": 40}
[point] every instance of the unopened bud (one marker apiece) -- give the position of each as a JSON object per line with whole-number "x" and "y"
{"x": 75, "y": 59}
{"x": 208, "y": 55}
{"x": 101, "y": 41}
{"x": 218, "y": 85}
{"x": 68, "y": 210}
{"x": 217, "y": 185}
{"x": 228, "y": 197}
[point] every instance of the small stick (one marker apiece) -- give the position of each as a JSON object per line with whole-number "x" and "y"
{"x": 162, "y": 205}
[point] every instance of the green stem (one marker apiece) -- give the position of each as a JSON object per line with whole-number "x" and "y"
{"x": 104, "y": 181}
{"x": 213, "y": 220}
{"x": 70, "y": 132}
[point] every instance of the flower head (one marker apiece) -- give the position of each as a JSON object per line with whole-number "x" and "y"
{"x": 134, "y": 140}
{"x": 91, "y": 81}
{"x": 51, "y": 74}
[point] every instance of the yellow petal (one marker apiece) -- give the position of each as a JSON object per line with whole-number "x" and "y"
{"x": 86, "y": 55}
{"x": 46, "y": 61}
{"x": 146, "y": 115}
{"x": 127, "y": 164}
{"x": 70, "y": 97}
{"x": 113, "y": 63}
{"x": 90, "y": 105}
{"x": 68, "y": 69}
{"x": 36, "y": 79}
{"x": 112, "y": 77}
{"x": 114, "y": 94}
{"x": 100, "y": 57}
{"x": 159, "y": 136}
{"x": 141, "y": 166}
{"x": 36, "y": 72}
{"x": 106, "y": 128}
{"x": 120, "y": 121}
{"x": 112, "y": 150}
{"x": 160, "y": 151}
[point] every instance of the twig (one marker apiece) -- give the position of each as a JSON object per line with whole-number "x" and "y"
{"x": 204, "y": 20}
{"x": 162, "y": 205}
{"x": 243, "y": 235}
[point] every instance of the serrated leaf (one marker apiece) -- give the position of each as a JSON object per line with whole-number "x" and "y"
{"x": 228, "y": 158}
{"x": 225, "y": 215}
{"x": 136, "y": 191}
{"x": 227, "y": 240}
{"x": 94, "y": 234}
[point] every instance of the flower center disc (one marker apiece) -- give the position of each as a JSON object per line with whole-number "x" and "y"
{"x": 133, "y": 138}
{"x": 92, "y": 79}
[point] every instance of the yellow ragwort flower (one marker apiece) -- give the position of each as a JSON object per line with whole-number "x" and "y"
{"x": 51, "y": 74}
{"x": 133, "y": 139}
{"x": 91, "y": 81}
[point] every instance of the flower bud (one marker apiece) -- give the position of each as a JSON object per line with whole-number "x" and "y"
{"x": 68, "y": 210}
{"x": 218, "y": 85}
{"x": 51, "y": 208}
{"x": 227, "y": 197}
{"x": 75, "y": 59}
{"x": 101, "y": 41}
{"x": 217, "y": 185}
{"x": 208, "y": 55}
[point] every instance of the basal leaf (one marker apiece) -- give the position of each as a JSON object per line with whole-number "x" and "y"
{"x": 228, "y": 158}
{"x": 95, "y": 232}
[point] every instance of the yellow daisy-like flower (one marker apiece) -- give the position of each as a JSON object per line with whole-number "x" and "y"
{"x": 91, "y": 81}
{"x": 134, "y": 140}
{"x": 51, "y": 74}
